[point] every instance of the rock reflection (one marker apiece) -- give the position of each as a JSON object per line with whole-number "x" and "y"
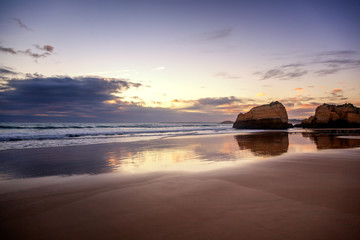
{"x": 264, "y": 144}
{"x": 173, "y": 154}
{"x": 331, "y": 141}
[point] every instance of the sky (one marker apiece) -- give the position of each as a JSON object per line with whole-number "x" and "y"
{"x": 160, "y": 61}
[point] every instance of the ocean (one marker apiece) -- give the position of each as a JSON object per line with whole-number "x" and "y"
{"x": 38, "y": 135}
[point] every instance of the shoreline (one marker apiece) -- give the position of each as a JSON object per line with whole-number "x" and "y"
{"x": 131, "y": 139}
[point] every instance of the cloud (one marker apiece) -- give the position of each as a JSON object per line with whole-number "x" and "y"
{"x": 301, "y": 112}
{"x": 304, "y": 106}
{"x": 320, "y": 64}
{"x": 339, "y": 53}
{"x": 35, "y": 55}
{"x": 337, "y": 90}
{"x": 215, "y": 106}
{"x": 292, "y": 65}
{"x": 34, "y": 75}
{"x": 226, "y": 75}
{"x": 7, "y": 71}
{"x": 332, "y": 62}
{"x": 22, "y": 25}
{"x": 218, "y": 34}
{"x": 47, "y": 51}
{"x": 260, "y": 94}
{"x": 324, "y": 72}
{"x": 218, "y": 101}
{"x": 159, "y": 68}
{"x": 292, "y": 102}
{"x": 46, "y": 48}
{"x": 299, "y": 89}
{"x": 337, "y": 94}
{"x": 8, "y": 50}
{"x": 332, "y": 66}
{"x": 285, "y": 72}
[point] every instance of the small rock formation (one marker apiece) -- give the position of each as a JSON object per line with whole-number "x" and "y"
{"x": 331, "y": 116}
{"x": 269, "y": 116}
{"x": 227, "y": 122}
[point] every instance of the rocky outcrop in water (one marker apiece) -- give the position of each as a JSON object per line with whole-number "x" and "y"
{"x": 331, "y": 116}
{"x": 269, "y": 116}
{"x": 227, "y": 122}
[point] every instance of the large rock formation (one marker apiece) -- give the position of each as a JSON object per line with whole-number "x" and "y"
{"x": 269, "y": 116}
{"x": 346, "y": 115}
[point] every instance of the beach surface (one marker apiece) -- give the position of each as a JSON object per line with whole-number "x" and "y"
{"x": 284, "y": 187}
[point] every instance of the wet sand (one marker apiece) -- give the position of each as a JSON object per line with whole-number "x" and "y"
{"x": 288, "y": 196}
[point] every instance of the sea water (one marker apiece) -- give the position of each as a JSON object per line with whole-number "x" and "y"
{"x": 36, "y": 135}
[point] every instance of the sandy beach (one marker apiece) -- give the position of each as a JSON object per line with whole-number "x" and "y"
{"x": 278, "y": 193}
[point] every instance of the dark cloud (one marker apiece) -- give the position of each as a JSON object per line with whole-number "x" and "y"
{"x": 8, "y": 50}
{"x": 34, "y": 75}
{"x": 82, "y": 96}
{"x": 22, "y": 25}
{"x": 218, "y": 34}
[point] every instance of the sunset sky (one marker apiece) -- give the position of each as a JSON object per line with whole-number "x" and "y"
{"x": 149, "y": 61}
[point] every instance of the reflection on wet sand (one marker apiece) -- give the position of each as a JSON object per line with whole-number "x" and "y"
{"x": 173, "y": 154}
{"x": 264, "y": 144}
{"x": 331, "y": 141}
{"x": 183, "y": 154}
